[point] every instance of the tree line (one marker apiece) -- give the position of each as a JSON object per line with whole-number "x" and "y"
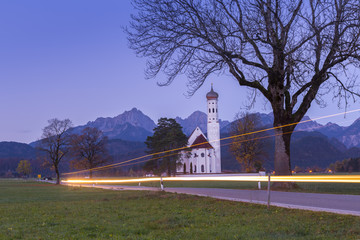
{"x": 346, "y": 165}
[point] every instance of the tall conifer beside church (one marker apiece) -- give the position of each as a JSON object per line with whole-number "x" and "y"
{"x": 205, "y": 154}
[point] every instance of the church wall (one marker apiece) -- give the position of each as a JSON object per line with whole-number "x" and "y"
{"x": 199, "y": 157}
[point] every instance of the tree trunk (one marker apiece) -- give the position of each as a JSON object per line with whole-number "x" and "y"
{"x": 90, "y": 174}
{"x": 282, "y": 157}
{"x": 57, "y": 174}
{"x": 282, "y": 152}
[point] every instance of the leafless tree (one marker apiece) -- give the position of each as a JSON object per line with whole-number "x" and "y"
{"x": 89, "y": 149}
{"x": 292, "y": 52}
{"x": 55, "y": 142}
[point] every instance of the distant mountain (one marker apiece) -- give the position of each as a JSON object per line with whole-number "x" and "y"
{"x": 306, "y": 124}
{"x": 134, "y": 117}
{"x": 348, "y": 136}
{"x": 264, "y": 121}
{"x": 351, "y": 135}
{"x": 313, "y": 149}
{"x": 196, "y": 119}
{"x": 131, "y": 125}
{"x": 16, "y": 150}
{"x": 12, "y": 152}
{"x": 332, "y": 130}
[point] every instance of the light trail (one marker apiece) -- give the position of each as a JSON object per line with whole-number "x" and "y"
{"x": 121, "y": 164}
{"x": 316, "y": 178}
{"x": 221, "y": 139}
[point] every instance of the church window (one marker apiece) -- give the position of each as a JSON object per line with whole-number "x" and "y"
{"x": 202, "y": 155}
{"x": 209, "y": 110}
{"x": 202, "y": 168}
{"x": 213, "y": 118}
{"x": 216, "y": 110}
{"x": 213, "y": 110}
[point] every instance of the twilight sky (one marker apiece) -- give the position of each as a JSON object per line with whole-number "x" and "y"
{"x": 70, "y": 59}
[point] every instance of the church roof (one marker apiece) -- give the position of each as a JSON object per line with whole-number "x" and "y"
{"x": 212, "y": 94}
{"x": 201, "y": 142}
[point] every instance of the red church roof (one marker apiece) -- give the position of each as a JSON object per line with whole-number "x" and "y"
{"x": 201, "y": 142}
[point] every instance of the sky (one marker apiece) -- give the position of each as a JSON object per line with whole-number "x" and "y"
{"x": 71, "y": 59}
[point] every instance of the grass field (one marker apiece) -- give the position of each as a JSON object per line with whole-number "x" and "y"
{"x": 33, "y": 210}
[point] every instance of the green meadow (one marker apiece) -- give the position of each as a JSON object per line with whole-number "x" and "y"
{"x": 35, "y": 210}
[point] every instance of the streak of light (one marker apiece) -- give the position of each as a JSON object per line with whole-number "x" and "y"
{"x": 316, "y": 178}
{"x": 221, "y": 139}
{"x": 121, "y": 164}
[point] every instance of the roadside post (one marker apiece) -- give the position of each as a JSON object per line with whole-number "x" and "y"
{"x": 161, "y": 184}
{"x": 261, "y": 173}
{"x": 268, "y": 193}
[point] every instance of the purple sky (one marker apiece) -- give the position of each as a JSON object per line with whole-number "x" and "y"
{"x": 70, "y": 59}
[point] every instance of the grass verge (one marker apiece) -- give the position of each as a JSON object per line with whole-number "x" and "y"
{"x": 32, "y": 210}
{"x": 332, "y": 188}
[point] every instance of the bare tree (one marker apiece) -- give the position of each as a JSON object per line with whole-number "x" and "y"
{"x": 89, "y": 149}
{"x": 292, "y": 52}
{"x": 55, "y": 142}
{"x": 247, "y": 149}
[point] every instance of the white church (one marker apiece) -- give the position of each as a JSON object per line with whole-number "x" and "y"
{"x": 205, "y": 154}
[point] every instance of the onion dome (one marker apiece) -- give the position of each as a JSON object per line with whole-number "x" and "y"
{"x": 212, "y": 94}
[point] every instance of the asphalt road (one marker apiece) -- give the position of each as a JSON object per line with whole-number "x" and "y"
{"x": 335, "y": 203}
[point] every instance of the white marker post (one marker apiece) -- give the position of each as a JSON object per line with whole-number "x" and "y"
{"x": 268, "y": 193}
{"x": 261, "y": 173}
{"x": 161, "y": 184}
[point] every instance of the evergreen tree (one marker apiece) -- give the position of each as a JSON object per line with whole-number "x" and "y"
{"x": 168, "y": 135}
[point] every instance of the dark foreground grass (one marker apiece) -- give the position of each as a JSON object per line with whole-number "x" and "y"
{"x": 31, "y": 210}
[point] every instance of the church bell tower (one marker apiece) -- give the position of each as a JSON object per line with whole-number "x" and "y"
{"x": 213, "y": 129}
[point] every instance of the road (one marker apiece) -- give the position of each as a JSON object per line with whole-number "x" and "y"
{"x": 335, "y": 203}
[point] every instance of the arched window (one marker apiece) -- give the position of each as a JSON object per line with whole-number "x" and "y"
{"x": 216, "y": 110}
{"x": 209, "y": 110}
{"x": 213, "y": 110}
{"x": 184, "y": 168}
{"x": 202, "y": 155}
{"x": 202, "y": 168}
